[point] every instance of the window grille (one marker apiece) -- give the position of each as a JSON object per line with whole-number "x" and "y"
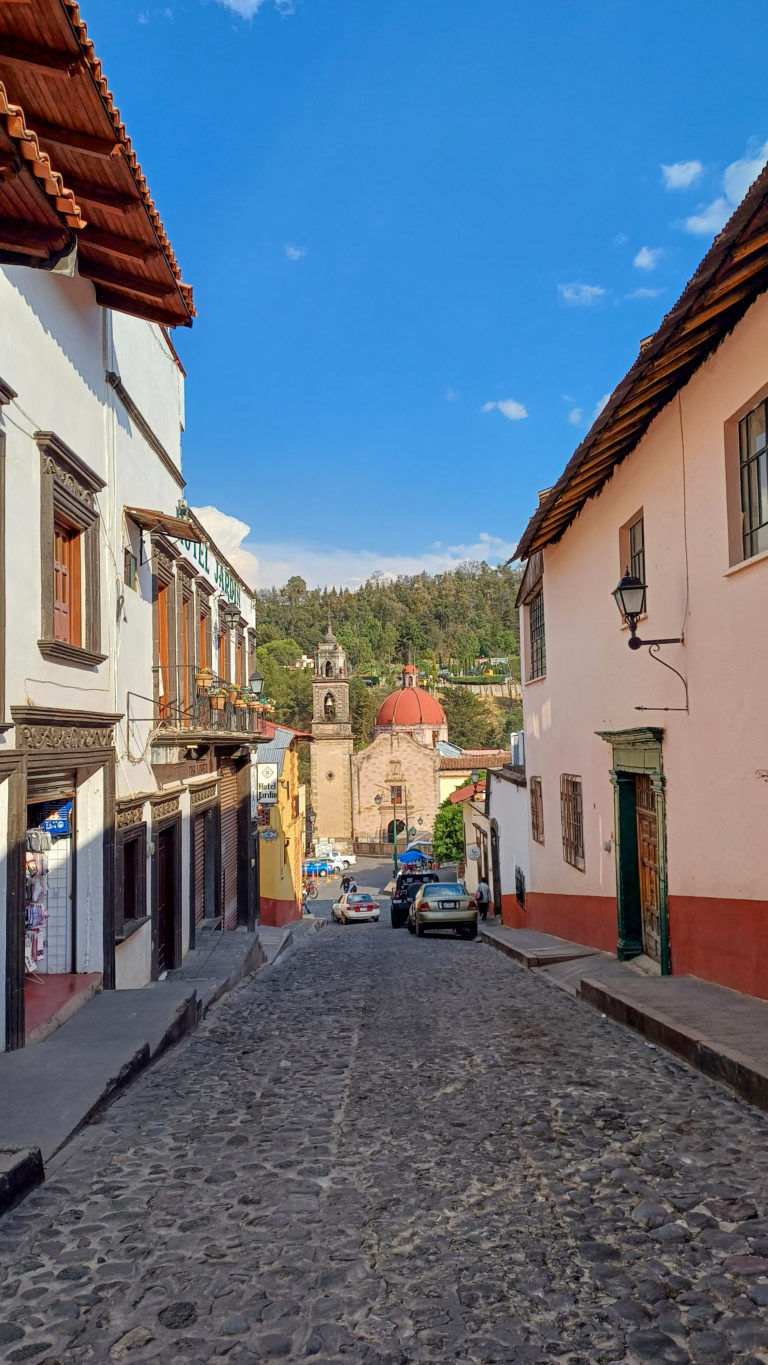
{"x": 572, "y": 818}
{"x": 537, "y": 811}
{"x": 753, "y": 460}
{"x": 537, "y": 663}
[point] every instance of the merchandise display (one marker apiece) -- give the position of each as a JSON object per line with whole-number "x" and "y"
{"x": 38, "y": 843}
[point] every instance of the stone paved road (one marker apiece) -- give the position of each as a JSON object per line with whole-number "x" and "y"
{"x": 390, "y": 1150}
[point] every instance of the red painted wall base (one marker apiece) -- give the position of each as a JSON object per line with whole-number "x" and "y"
{"x": 718, "y": 940}
{"x": 725, "y": 941}
{"x": 275, "y": 913}
{"x": 582, "y": 919}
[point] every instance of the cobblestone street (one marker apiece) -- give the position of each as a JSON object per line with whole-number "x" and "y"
{"x": 390, "y": 1150}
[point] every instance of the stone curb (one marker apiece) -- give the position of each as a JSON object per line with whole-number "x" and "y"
{"x": 307, "y": 925}
{"x": 717, "y": 1061}
{"x": 20, "y": 1172}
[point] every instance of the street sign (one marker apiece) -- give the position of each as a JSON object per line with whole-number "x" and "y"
{"x": 267, "y": 834}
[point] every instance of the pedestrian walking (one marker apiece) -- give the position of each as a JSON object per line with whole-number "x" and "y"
{"x": 483, "y": 897}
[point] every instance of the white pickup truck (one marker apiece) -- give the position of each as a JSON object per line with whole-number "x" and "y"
{"x": 341, "y": 861}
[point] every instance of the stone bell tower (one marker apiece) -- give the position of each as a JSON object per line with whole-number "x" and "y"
{"x": 332, "y": 749}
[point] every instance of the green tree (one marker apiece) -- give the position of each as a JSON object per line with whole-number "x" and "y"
{"x": 469, "y": 722}
{"x": 364, "y": 703}
{"x": 467, "y": 647}
{"x": 448, "y": 837}
{"x": 284, "y": 652}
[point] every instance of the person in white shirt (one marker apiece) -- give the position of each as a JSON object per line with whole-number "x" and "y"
{"x": 483, "y": 897}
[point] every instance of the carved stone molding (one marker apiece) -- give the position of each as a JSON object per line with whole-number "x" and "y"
{"x": 68, "y": 481}
{"x": 162, "y": 808}
{"x": 62, "y": 737}
{"x": 202, "y": 795}
{"x": 129, "y": 815}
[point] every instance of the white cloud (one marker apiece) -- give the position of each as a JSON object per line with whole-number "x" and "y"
{"x": 737, "y": 178}
{"x": 599, "y": 405}
{"x": 509, "y": 407}
{"x": 648, "y": 257}
{"x": 575, "y": 416}
{"x": 229, "y": 533}
{"x": 248, "y": 8}
{"x": 680, "y": 174}
{"x": 644, "y": 294}
{"x": 451, "y": 395}
{"x": 271, "y": 563}
{"x": 710, "y": 220}
{"x": 581, "y": 293}
{"x": 294, "y": 253}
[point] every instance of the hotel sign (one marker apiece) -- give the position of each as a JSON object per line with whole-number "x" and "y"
{"x": 203, "y": 555}
{"x": 266, "y": 784}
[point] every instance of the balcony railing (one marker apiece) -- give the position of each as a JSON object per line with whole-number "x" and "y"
{"x": 187, "y": 702}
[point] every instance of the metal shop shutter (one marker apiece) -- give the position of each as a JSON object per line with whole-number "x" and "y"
{"x": 228, "y": 797}
{"x": 199, "y": 834}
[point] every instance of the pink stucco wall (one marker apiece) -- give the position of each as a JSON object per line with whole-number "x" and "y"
{"x": 714, "y": 757}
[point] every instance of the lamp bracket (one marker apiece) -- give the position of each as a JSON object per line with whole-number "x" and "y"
{"x": 653, "y": 650}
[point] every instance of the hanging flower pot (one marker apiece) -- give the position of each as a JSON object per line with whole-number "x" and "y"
{"x": 204, "y": 679}
{"x": 217, "y": 700}
{"x": 240, "y": 703}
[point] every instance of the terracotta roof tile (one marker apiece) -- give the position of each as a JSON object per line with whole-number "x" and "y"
{"x": 38, "y": 161}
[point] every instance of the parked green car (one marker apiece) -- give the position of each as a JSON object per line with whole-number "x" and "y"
{"x": 443, "y": 905}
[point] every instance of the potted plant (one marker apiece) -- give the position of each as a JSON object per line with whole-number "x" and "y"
{"x": 240, "y": 702}
{"x": 217, "y": 699}
{"x": 203, "y": 679}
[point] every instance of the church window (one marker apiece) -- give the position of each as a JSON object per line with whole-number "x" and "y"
{"x": 329, "y": 669}
{"x": 329, "y": 706}
{"x": 397, "y": 796}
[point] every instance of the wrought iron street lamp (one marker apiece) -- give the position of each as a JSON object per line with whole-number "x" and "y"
{"x": 256, "y": 684}
{"x": 230, "y": 616}
{"x": 630, "y": 598}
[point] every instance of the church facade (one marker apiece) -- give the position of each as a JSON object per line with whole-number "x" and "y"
{"x": 400, "y": 778}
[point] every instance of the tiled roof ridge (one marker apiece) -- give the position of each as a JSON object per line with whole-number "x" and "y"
{"x": 89, "y": 53}
{"x": 39, "y": 161}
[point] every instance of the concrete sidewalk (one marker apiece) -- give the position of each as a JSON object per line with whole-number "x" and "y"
{"x": 718, "y": 1031}
{"x": 51, "y": 1089}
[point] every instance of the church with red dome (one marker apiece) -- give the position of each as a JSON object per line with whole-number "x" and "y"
{"x": 400, "y": 778}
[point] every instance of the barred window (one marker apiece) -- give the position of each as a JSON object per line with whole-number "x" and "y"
{"x": 537, "y": 811}
{"x": 537, "y": 652}
{"x": 572, "y": 817}
{"x": 753, "y": 460}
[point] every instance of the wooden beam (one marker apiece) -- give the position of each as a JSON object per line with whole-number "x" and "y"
{"x": 97, "y": 194}
{"x": 141, "y": 308}
{"x": 35, "y": 54}
{"x": 119, "y": 279}
{"x": 9, "y": 163}
{"x": 724, "y": 303}
{"x": 669, "y": 359}
{"x": 730, "y": 281}
{"x": 118, "y": 246}
{"x": 70, "y": 137}
{"x": 30, "y": 236}
{"x": 753, "y": 244}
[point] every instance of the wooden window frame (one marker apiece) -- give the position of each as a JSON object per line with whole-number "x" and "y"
{"x": 222, "y": 634}
{"x": 537, "y": 810}
{"x": 67, "y": 557}
{"x": 572, "y": 820}
{"x": 68, "y": 490}
{"x": 240, "y": 657}
{"x": 164, "y": 557}
{"x": 125, "y": 927}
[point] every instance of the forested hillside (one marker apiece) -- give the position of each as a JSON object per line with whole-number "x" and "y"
{"x": 448, "y": 617}
{"x": 446, "y": 620}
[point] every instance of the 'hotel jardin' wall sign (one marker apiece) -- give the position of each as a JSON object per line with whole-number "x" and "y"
{"x": 203, "y": 555}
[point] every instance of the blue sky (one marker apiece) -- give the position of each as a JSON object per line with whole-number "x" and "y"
{"x": 425, "y": 241}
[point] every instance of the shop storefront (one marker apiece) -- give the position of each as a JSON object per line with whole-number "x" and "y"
{"x": 59, "y": 891}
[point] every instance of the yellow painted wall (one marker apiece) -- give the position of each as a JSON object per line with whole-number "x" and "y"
{"x": 280, "y": 858}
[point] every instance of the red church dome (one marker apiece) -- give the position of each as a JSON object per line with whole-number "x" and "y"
{"x": 410, "y": 706}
